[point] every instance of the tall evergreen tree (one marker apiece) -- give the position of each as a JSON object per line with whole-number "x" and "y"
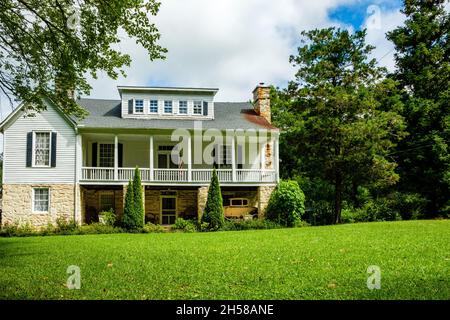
{"x": 213, "y": 213}
{"x": 332, "y": 113}
{"x": 128, "y": 221}
{"x": 422, "y": 55}
{"x": 137, "y": 198}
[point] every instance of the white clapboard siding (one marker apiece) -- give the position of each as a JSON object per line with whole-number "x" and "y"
{"x": 15, "y": 144}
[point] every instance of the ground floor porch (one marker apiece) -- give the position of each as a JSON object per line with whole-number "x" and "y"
{"x": 163, "y": 204}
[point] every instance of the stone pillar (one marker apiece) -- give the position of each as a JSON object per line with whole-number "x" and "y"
{"x": 202, "y": 196}
{"x": 264, "y": 193}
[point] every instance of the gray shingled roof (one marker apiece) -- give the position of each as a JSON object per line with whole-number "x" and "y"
{"x": 227, "y": 115}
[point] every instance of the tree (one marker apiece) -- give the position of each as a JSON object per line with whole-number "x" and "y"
{"x": 331, "y": 113}
{"x": 213, "y": 213}
{"x": 128, "y": 219}
{"x": 137, "y": 199}
{"x": 422, "y": 56}
{"x": 49, "y": 47}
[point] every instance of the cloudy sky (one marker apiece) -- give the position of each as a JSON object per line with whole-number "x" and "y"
{"x": 235, "y": 44}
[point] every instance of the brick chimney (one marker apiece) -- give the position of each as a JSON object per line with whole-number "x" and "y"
{"x": 261, "y": 100}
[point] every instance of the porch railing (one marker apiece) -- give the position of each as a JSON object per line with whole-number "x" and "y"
{"x": 179, "y": 175}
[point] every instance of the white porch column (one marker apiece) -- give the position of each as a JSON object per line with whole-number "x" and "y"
{"x": 233, "y": 157}
{"x": 277, "y": 157}
{"x": 116, "y": 157}
{"x": 78, "y": 177}
{"x": 189, "y": 153}
{"x": 151, "y": 158}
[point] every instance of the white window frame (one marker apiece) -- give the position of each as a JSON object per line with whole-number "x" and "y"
{"x": 179, "y": 107}
{"x": 134, "y": 106}
{"x": 150, "y": 106}
{"x": 106, "y": 193}
{"x": 98, "y": 154}
{"x": 239, "y": 205}
{"x": 33, "y": 200}
{"x": 171, "y": 107}
{"x": 196, "y": 104}
{"x": 33, "y": 151}
{"x": 221, "y": 160}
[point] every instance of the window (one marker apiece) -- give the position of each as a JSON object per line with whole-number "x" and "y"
{"x": 224, "y": 155}
{"x": 42, "y": 149}
{"x": 197, "y": 107}
{"x": 183, "y": 107}
{"x": 106, "y": 155}
{"x": 41, "y": 199}
{"x": 167, "y": 106}
{"x": 239, "y": 202}
{"x": 153, "y": 106}
{"x": 138, "y": 106}
{"x": 106, "y": 201}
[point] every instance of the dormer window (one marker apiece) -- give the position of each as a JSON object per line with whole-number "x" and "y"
{"x": 138, "y": 106}
{"x": 153, "y": 106}
{"x": 198, "y": 107}
{"x": 168, "y": 106}
{"x": 182, "y": 107}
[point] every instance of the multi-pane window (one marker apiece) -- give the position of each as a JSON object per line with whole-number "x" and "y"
{"x": 153, "y": 106}
{"x": 239, "y": 202}
{"x": 167, "y": 106}
{"x": 41, "y": 199}
{"x": 106, "y": 155}
{"x": 139, "y": 106}
{"x": 183, "y": 108}
{"x": 42, "y": 148}
{"x": 106, "y": 201}
{"x": 197, "y": 107}
{"x": 224, "y": 154}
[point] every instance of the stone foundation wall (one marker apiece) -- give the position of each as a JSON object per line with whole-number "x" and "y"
{"x": 90, "y": 205}
{"x": 186, "y": 204}
{"x": 202, "y": 196}
{"x": 264, "y": 193}
{"x": 18, "y": 204}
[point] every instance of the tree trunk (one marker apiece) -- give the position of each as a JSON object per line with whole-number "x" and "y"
{"x": 337, "y": 198}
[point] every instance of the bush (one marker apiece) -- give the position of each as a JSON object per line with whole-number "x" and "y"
{"x": 107, "y": 217}
{"x": 97, "y": 228}
{"x": 152, "y": 228}
{"x": 286, "y": 204}
{"x": 185, "y": 225}
{"x": 254, "y": 224}
{"x": 213, "y": 213}
{"x": 409, "y": 205}
{"x": 16, "y": 230}
{"x": 65, "y": 226}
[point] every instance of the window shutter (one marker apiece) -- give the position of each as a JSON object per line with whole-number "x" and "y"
{"x": 130, "y": 106}
{"x": 29, "y": 149}
{"x": 216, "y": 155}
{"x": 205, "y": 108}
{"x": 94, "y": 154}
{"x": 120, "y": 151}
{"x": 53, "y": 156}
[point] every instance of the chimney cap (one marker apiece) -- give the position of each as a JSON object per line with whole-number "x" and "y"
{"x": 261, "y": 85}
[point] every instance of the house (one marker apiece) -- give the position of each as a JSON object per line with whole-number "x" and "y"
{"x": 58, "y": 167}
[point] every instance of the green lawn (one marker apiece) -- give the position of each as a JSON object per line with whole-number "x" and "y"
{"x": 305, "y": 263}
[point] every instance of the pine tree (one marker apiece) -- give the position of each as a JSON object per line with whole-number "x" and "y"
{"x": 213, "y": 214}
{"x": 137, "y": 198}
{"x": 128, "y": 211}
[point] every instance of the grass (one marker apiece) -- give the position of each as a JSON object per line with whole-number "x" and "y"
{"x": 327, "y": 262}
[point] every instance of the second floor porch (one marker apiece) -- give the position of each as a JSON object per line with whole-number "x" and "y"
{"x": 238, "y": 159}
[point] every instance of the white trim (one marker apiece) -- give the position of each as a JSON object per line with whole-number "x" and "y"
{"x": 33, "y": 200}
{"x": 33, "y": 150}
{"x": 134, "y": 106}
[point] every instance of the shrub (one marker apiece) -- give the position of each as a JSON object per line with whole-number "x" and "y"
{"x": 286, "y": 204}
{"x": 65, "y": 226}
{"x": 185, "y": 225}
{"x": 254, "y": 224}
{"x": 128, "y": 219}
{"x": 152, "y": 228}
{"x": 107, "y": 217}
{"x": 213, "y": 213}
{"x": 97, "y": 228}
{"x": 137, "y": 198}
{"x": 409, "y": 205}
{"x": 16, "y": 230}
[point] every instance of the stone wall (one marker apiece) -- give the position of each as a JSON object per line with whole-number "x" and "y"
{"x": 261, "y": 99}
{"x": 90, "y": 205}
{"x": 264, "y": 193}
{"x": 18, "y": 204}
{"x": 186, "y": 203}
{"x": 202, "y": 196}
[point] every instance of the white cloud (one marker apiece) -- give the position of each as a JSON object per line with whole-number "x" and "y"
{"x": 232, "y": 45}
